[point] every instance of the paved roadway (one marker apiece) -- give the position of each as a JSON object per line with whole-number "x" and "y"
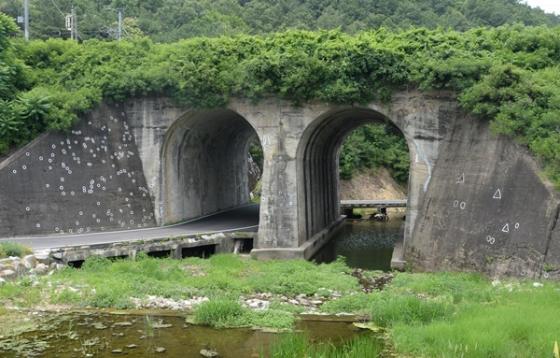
{"x": 373, "y": 203}
{"x": 241, "y": 219}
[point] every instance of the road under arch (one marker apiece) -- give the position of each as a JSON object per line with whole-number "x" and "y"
{"x": 205, "y": 164}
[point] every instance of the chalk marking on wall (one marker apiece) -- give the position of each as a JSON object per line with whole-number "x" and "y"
{"x": 461, "y": 179}
{"x": 497, "y": 195}
{"x": 505, "y": 228}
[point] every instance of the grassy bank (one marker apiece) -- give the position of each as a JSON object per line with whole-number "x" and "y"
{"x": 8, "y": 249}
{"x": 442, "y": 314}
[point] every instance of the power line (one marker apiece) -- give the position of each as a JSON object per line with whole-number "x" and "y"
{"x": 56, "y": 7}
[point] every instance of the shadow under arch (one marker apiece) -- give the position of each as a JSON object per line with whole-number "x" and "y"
{"x": 205, "y": 164}
{"x": 317, "y": 168}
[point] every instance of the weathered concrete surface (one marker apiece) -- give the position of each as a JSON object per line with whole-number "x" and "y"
{"x": 88, "y": 179}
{"x": 188, "y": 163}
{"x": 172, "y": 247}
{"x": 486, "y": 208}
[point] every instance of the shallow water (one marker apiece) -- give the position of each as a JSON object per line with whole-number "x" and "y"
{"x": 365, "y": 244}
{"x": 109, "y": 335}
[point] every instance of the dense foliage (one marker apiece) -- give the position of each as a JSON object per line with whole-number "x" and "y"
{"x": 372, "y": 146}
{"x": 171, "y": 20}
{"x": 509, "y": 75}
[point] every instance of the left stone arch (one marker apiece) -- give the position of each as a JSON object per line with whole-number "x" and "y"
{"x": 205, "y": 164}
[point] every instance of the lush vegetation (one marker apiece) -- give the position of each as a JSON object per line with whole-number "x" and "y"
{"x": 221, "y": 277}
{"x": 8, "y": 249}
{"x": 167, "y": 20}
{"x": 372, "y": 146}
{"x": 432, "y": 315}
{"x": 221, "y": 313}
{"x": 508, "y": 75}
{"x": 297, "y": 345}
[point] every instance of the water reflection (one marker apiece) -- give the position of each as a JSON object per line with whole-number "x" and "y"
{"x": 109, "y": 335}
{"x": 365, "y": 244}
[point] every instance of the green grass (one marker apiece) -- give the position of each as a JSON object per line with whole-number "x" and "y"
{"x": 218, "y": 277}
{"x": 8, "y": 249}
{"x": 297, "y": 345}
{"x": 220, "y": 313}
{"x": 20, "y": 293}
{"x": 425, "y": 314}
{"x": 521, "y": 323}
{"x": 228, "y": 313}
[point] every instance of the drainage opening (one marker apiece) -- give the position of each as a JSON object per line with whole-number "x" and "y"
{"x": 199, "y": 251}
{"x": 243, "y": 246}
{"x": 160, "y": 254}
{"x": 75, "y": 264}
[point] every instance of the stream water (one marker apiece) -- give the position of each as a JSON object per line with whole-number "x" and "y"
{"x": 365, "y": 244}
{"x": 110, "y": 335}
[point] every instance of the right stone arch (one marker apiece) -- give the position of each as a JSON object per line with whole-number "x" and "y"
{"x": 318, "y": 173}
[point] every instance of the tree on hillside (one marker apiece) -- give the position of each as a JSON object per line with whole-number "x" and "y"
{"x": 170, "y": 20}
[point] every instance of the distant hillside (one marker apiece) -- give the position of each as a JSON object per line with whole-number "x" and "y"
{"x": 372, "y": 184}
{"x": 170, "y": 20}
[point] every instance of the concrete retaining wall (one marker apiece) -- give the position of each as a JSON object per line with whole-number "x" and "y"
{"x": 89, "y": 179}
{"x": 476, "y": 201}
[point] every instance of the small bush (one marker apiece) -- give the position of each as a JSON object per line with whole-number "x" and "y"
{"x": 220, "y": 313}
{"x": 14, "y": 249}
{"x": 110, "y": 298}
{"x": 96, "y": 263}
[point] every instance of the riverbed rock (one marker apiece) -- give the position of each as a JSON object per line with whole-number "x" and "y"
{"x": 29, "y": 261}
{"x": 43, "y": 256}
{"x": 99, "y": 325}
{"x": 122, "y": 324}
{"x": 117, "y": 351}
{"x": 41, "y": 269}
{"x": 208, "y": 353}
{"x": 7, "y": 274}
{"x": 5, "y": 261}
{"x": 168, "y": 303}
{"x": 160, "y": 349}
{"x": 257, "y": 304}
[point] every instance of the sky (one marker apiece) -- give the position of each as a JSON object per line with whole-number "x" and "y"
{"x": 546, "y": 5}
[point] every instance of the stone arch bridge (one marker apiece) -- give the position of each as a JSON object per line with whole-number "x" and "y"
{"x": 476, "y": 201}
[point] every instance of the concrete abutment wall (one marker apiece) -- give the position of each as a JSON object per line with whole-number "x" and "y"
{"x": 160, "y": 163}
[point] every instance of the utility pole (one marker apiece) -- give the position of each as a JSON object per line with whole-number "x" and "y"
{"x": 119, "y": 30}
{"x": 26, "y": 19}
{"x": 74, "y": 24}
